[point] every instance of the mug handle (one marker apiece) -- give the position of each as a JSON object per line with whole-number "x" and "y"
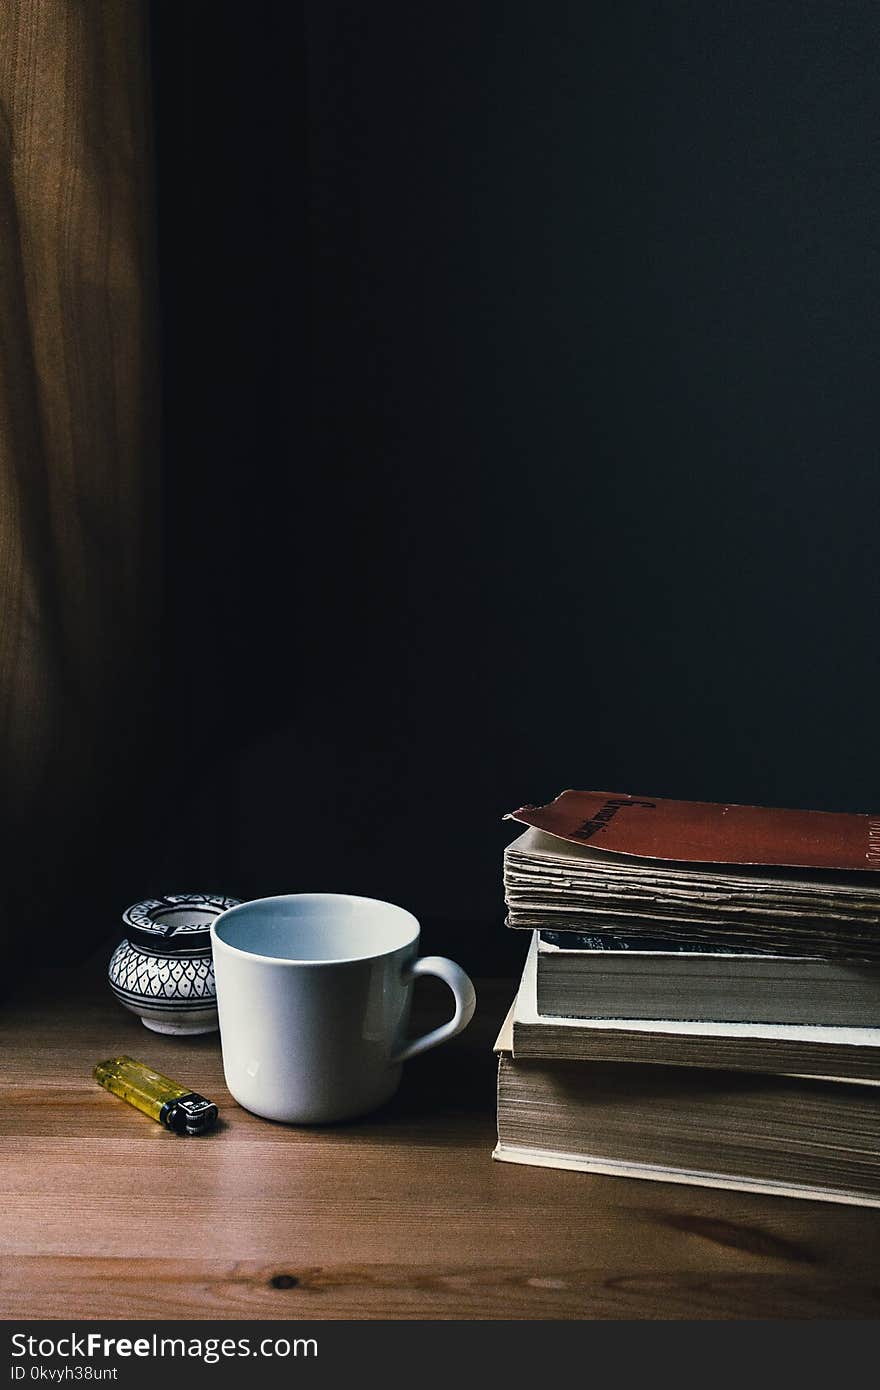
{"x": 465, "y": 1002}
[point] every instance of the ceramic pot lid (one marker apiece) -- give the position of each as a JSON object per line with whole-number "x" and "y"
{"x": 177, "y": 922}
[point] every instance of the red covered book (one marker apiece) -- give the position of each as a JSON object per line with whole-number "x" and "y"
{"x": 615, "y": 866}
{"x": 707, "y": 832}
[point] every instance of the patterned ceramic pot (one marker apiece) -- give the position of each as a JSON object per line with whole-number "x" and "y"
{"x": 162, "y": 970}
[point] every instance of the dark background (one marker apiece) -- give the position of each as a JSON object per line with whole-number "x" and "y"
{"x": 521, "y": 429}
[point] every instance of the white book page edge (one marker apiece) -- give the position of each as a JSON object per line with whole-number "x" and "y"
{"x": 526, "y": 1013}
{"x": 546, "y": 1158}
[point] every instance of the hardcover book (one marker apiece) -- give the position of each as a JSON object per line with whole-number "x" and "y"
{"x": 594, "y": 977}
{"x": 786, "y": 1135}
{"x": 839, "y": 1053}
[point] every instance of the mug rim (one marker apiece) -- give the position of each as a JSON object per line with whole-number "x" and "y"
{"x": 241, "y": 907}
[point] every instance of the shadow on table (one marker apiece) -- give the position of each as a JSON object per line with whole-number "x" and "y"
{"x": 455, "y": 1081}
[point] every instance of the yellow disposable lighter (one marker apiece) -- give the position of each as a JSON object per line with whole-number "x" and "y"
{"x": 176, "y": 1107}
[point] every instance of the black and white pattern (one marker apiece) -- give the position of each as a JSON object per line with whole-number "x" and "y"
{"x": 163, "y": 969}
{"x": 142, "y": 976}
{"x": 177, "y": 915}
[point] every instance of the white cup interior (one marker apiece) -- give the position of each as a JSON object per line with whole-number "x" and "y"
{"x": 316, "y": 928}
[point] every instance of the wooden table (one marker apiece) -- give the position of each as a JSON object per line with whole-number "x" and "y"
{"x": 405, "y": 1215}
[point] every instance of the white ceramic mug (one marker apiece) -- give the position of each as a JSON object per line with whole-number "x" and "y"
{"x": 313, "y": 993}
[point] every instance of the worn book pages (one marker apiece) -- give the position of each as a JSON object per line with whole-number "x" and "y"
{"x": 846, "y": 1054}
{"x": 581, "y": 976}
{"x": 652, "y": 1172}
{"x": 554, "y": 884}
{"x": 784, "y": 1135}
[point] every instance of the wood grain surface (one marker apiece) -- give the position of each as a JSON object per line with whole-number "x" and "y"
{"x": 403, "y": 1215}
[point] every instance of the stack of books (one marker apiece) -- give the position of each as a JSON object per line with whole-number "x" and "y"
{"x": 701, "y": 998}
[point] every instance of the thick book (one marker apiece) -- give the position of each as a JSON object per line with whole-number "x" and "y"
{"x": 584, "y": 976}
{"x": 851, "y": 1054}
{"x": 785, "y": 1135}
{"x": 796, "y": 883}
